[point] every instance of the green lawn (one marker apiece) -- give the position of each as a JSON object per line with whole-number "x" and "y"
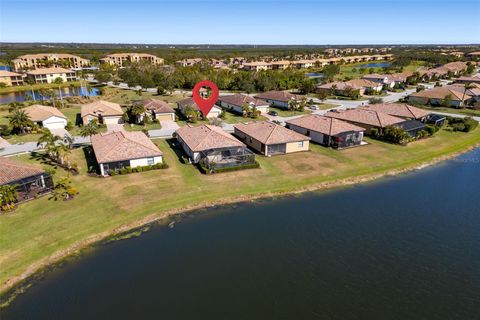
{"x": 40, "y": 228}
{"x": 289, "y": 113}
{"x": 139, "y": 127}
{"x": 39, "y": 86}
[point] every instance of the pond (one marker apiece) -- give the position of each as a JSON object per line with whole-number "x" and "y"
{"x": 35, "y": 95}
{"x": 405, "y": 247}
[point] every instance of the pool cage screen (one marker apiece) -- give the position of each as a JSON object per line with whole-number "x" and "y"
{"x": 226, "y": 157}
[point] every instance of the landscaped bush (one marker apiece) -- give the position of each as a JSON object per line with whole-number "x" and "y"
{"x": 128, "y": 170}
{"x": 466, "y": 124}
{"x": 392, "y": 134}
{"x": 205, "y": 170}
{"x": 431, "y": 130}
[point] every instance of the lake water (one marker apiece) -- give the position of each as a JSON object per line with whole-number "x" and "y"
{"x": 64, "y": 92}
{"x": 375, "y": 65}
{"x": 405, "y": 247}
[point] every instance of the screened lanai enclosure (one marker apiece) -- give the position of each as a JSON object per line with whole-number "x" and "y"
{"x": 226, "y": 157}
{"x": 34, "y": 186}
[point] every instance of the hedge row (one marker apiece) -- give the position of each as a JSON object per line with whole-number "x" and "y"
{"x": 128, "y": 170}
{"x": 205, "y": 170}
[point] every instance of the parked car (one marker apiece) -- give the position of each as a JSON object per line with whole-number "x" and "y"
{"x": 273, "y": 113}
{"x": 313, "y": 107}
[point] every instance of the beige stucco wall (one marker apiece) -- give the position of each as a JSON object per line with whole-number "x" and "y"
{"x": 249, "y": 141}
{"x": 295, "y": 146}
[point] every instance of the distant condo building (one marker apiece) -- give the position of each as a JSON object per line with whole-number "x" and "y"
{"x": 43, "y": 60}
{"x": 11, "y": 78}
{"x": 119, "y": 59}
{"x": 48, "y": 75}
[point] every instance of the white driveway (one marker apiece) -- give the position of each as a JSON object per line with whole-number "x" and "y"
{"x": 167, "y": 130}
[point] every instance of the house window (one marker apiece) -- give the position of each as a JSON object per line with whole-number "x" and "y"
{"x": 150, "y": 161}
{"x": 300, "y": 144}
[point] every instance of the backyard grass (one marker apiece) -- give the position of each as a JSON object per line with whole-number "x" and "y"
{"x": 289, "y": 113}
{"x": 40, "y": 228}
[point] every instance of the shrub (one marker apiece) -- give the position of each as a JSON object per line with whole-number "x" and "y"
{"x": 431, "y": 130}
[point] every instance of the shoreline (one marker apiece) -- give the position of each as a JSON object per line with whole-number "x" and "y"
{"x": 18, "y": 284}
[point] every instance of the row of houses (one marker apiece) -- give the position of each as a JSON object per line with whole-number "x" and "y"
{"x": 66, "y": 60}
{"x": 455, "y": 95}
{"x": 309, "y": 63}
{"x": 213, "y": 148}
{"x": 43, "y": 75}
{"x": 451, "y": 69}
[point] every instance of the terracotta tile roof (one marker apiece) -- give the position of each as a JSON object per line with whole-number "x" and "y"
{"x": 206, "y": 137}
{"x": 472, "y": 91}
{"x": 269, "y": 132}
{"x": 339, "y": 85}
{"x": 38, "y": 112}
{"x": 6, "y": 73}
{"x": 401, "y": 110}
{"x": 283, "y": 96}
{"x": 158, "y": 106}
{"x": 324, "y": 125}
{"x": 49, "y": 71}
{"x": 363, "y": 116}
{"x": 48, "y": 55}
{"x": 123, "y": 145}
{"x": 363, "y": 83}
{"x": 469, "y": 79}
{"x": 187, "y": 102}
{"x": 105, "y": 108}
{"x": 440, "y": 93}
{"x": 14, "y": 170}
{"x": 240, "y": 99}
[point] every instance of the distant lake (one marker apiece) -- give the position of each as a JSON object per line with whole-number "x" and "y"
{"x": 314, "y": 75}
{"x": 405, "y": 247}
{"x": 64, "y": 92}
{"x": 5, "y": 68}
{"x": 375, "y": 65}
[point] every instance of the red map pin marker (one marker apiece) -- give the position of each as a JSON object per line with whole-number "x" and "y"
{"x": 205, "y": 105}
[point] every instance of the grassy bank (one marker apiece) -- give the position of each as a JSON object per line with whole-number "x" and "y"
{"x": 39, "y": 86}
{"x": 465, "y": 111}
{"x": 41, "y": 231}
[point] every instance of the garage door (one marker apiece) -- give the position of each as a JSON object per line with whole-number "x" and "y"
{"x": 165, "y": 117}
{"x": 111, "y": 120}
{"x": 55, "y": 125}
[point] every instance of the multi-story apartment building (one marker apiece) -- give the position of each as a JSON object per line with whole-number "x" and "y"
{"x": 11, "y": 78}
{"x": 48, "y": 75}
{"x": 122, "y": 59}
{"x": 43, "y": 60}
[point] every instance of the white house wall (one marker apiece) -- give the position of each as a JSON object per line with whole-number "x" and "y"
{"x": 54, "y": 123}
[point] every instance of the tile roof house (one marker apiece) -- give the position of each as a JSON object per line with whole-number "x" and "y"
{"x": 327, "y": 131}
{"x": 46, "y": 116}
{"x": 117, "y": 150}
{"x": 103, "y": 111}
{"x": 159, "y": 110}
{"x": 235, "y": 102}
{"x": 365, "y": 85}
{"x": 339, "y": 88}
{"x": 29, "y": 180}
{"x": 365, "y": 118}
{"x": 473, "y": 79}
{"x": 278, "y": 99}
{"x": 269, "y": 138}
{"x": 188, "y": 102}
{"x": 213, "y": 147}
{"x": 120, "y": 59}
{"x": 400, "y": 110}
{"x": 437, "y": 95}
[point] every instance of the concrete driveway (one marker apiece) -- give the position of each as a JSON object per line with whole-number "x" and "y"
{"x": 167, "y": 130}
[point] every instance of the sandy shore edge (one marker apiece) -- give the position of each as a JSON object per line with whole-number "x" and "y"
{"x": 11, "y": 284}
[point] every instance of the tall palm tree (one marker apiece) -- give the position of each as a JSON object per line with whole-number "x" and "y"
{"x": 50, "y": 143}
{"x": 137, "y": 110}
{"x": 20, "y": 121}
{"x": 467, "y": 87}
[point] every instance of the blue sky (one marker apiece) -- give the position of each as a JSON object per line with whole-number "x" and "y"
{"x": 241, "y": 22}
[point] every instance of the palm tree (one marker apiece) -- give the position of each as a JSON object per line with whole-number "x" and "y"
{"x": 467, "y": 87}
{"x": 8, "y": 197}
{"x": 20, "y": 121}
{"x": 137, "y": 110}
{"x": 89, "y": 130}
{"x": 63, "y": 190}
{"x": 50, "y": 144}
